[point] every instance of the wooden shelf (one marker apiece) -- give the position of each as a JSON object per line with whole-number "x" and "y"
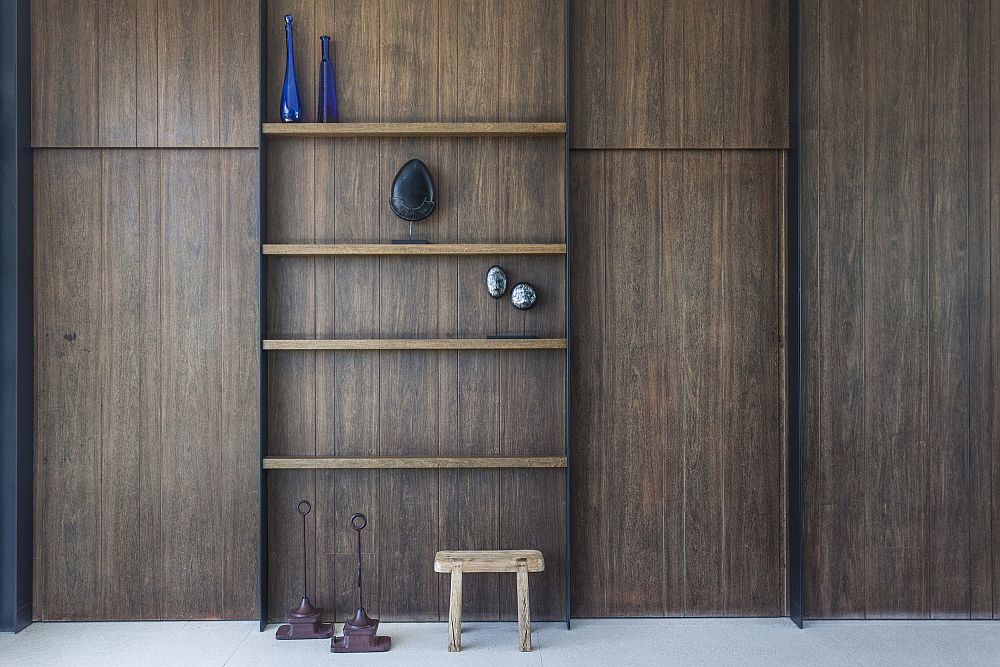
{"x": 417, "y": 344}
{"x": 411, "y": 462}
{"x": 414, "y": 249}
{"x": 317, "y": 130}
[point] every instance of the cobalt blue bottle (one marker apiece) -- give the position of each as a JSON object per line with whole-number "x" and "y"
{"x": 291, "y": 109}
{"x": 327, "y": 107}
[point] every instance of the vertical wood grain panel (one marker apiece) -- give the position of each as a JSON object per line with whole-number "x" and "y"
{"x": 64, "y": 73}
{"x": 150, "y": 445}
{"x": 704, "y": 54}
{"x": 635, "y": 384}
{"x": 188, "y": 32}
{"x": 238, "y": 74}
{"x": 838, "y": 583}
{"x": 589, "y": 372}
{"x": 755, "y": 73}
{"x": 679, "y": 74}
{"x": 531, "y": 80}
{"x": 896, "y": 317}
{"x": 239, "y": 377}
{"x": 68, "y": 263}
{"x": 125, "y": 73}
{"x": 917, "y": 469}
{"x": 641, "y": 43}
{"x": 671, "y": 269}
{"x": 588, "y": 77}
{"x": 752, "y": 376}
{"x": 949, "y": 340}
{"x": 994, "y": 272}
{"x": 704, "y": 351}
{"x": 120, "y": 382}
{"x": 190, "y": 352}
{"x": 117, "y": 55}
{"x": 408, "y": 61}
{"x": 147, "y": 83}
{"x": 983, "y": 375}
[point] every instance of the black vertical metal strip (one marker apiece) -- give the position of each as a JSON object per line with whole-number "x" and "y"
{"x": 793, "y": 309}
{"x": 262, "y": 314}
{"x": 16, "y": 314}
{"x": 567, "y": 407}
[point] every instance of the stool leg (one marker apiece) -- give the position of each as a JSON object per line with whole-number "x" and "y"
{"x": 523, "y": 610}
{"x": 455, "y": 610}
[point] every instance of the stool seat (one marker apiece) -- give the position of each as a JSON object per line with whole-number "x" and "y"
{"x": 520, "y": 561}
{"x": 503, "y": 560}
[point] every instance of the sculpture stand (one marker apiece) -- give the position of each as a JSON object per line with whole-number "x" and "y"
{"x": 360, "y": 632}
{"x": 304, "y": 620}
{"x": 360, "y": 636}
{"x": 410, "y": 239}
{"x": 304, "y": 623}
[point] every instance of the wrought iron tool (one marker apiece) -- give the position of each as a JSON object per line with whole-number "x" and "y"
{"x": 360, "y": 632}
{"x": 304, "y": 620}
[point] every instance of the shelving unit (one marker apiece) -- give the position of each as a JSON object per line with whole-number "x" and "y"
{"x": 539, "y": 149}
{"x": 353, "y": 130}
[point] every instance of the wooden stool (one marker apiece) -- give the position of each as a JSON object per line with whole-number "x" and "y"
{"x": 522, "y": 562}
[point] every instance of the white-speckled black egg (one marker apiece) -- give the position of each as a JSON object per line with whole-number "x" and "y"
{"x": 523, "y": 296}
{"x": 496, "y": 281}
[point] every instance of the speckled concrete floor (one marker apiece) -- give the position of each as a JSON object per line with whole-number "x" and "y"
{"x": 620, "y": 643}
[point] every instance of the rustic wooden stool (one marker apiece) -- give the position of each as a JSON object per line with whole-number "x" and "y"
{"x": 522, "y": 562}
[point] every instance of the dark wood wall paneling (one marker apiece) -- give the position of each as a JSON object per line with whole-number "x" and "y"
{"x": 141, "y": 73}
{"x": 678, "y": 490}
{"x": 145, "y": 384}
{"x": 899, "y": 237}
{"x": 679, "y": 74}
{"x": 677, "y": 398}
{"x": 146, "y": 308}
{"x": 406, "y": 61}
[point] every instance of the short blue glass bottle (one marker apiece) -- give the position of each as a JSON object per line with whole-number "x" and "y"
{"x": 326, "y": 111}
{"x": 291, "y": 108}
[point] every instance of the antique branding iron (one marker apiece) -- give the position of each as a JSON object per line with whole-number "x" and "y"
{"x": 304, "y": 621}
{"x": 360, "y": 632}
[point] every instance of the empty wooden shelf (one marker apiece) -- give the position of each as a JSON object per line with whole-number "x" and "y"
{"x": 358, "y": 462}
{"x": 318, "y": 130}
{"x": 414, "y": 249}
{"x": 417, "y": 344}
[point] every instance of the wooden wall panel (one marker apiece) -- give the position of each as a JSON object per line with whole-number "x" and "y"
{"x": 146, "y": 383}
{"x": 676, "y": 342}
{"x": 138, "y": 73}
{"x": 679, "y": 74}
{"x": 897, "y": 218}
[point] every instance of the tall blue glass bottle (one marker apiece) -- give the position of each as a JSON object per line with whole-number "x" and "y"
{"x": 291, "y": 109}
{"x": 327, "y": 97}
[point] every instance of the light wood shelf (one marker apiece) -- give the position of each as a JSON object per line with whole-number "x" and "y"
{"x": 417, "y": 344}
{"x": 318, "y": 130}
{"x": 410, "y": 462}
{"x": 414, "y": 249}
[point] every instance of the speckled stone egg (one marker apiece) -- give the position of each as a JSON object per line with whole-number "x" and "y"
{"x": 496, "y": 281}
{"x": 523, "y": 296}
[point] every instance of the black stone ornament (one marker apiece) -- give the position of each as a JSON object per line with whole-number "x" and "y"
{"x": 496, "y": 281}
{"x": 523, "y": 296}
{"x": 412, "y": 195}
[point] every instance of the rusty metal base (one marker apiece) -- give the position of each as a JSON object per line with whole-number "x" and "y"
{"x": 304, "y": 623}
{"x": 360, "y": 640}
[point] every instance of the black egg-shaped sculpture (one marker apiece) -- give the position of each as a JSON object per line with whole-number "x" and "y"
{"x": 523, "y": 296}
{"x": 412, "y": 195}
{"x": 496, "y": 281}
